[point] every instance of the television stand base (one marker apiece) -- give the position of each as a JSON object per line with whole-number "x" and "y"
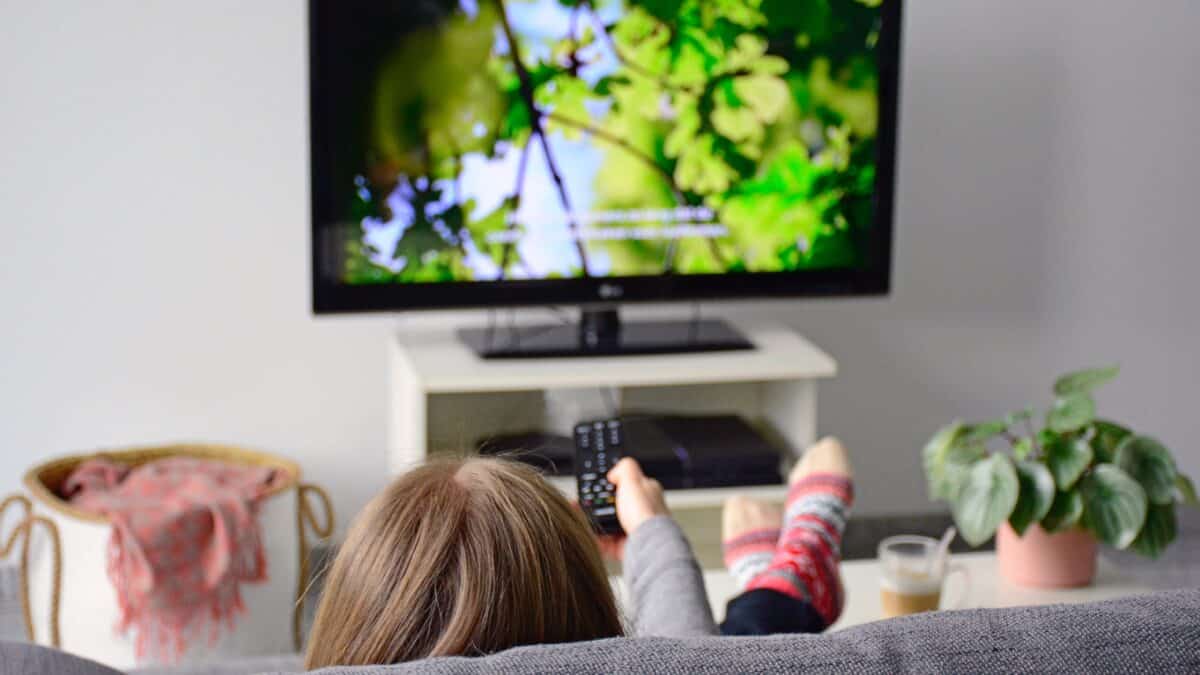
{"x": 601, "y": 333}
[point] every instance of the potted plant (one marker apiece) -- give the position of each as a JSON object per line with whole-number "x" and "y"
{"x": 1049, "y": 494}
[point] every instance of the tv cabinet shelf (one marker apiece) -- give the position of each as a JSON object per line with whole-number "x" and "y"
{"x": 444, "y": 397}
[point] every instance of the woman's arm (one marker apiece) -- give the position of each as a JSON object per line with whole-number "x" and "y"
{"x": 665, "y": 584}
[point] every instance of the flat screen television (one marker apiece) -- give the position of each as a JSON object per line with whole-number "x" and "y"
{"x": 491, "y": 153}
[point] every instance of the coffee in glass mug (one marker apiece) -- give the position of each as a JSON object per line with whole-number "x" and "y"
{"x": 911, "y": 576}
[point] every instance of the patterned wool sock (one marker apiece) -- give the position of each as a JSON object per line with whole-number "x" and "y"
{"x": 805, "y": 563}
{"x": 749, "y": 554}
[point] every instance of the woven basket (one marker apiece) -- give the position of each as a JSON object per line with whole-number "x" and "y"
{"x": 69, "y": 602}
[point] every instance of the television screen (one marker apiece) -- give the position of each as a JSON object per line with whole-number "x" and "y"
{"x": 473, "y": 143}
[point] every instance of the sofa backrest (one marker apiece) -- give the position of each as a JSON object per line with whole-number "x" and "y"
{"x": 1155, "y": 633}
{"x": 22, "y": 658}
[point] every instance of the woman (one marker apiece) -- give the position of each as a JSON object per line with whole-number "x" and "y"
{"x": 475, "y": 556}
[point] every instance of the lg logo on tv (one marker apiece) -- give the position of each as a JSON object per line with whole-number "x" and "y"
{"x": 610, "y": 291}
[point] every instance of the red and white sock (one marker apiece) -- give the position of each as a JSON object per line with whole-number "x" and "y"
{"x": 805, "y": 563}
{"x": 749, "y": 554}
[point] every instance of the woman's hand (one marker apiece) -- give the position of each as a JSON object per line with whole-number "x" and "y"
{"x": 638, "y": 498}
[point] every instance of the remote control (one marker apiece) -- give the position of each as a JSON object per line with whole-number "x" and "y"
{"x": 598, "y": 446}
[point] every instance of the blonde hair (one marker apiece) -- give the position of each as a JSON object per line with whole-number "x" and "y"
{"x": 462, "y": 557}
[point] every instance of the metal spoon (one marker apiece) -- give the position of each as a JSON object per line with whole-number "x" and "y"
{"x": 938, "y": 564}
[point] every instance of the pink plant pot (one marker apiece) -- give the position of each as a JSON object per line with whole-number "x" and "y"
{"x": 1041, "y": 560}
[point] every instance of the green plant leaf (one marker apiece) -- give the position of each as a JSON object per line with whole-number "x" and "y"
{"x": 494, "y": 222}
{"x": 986, "y": 499}
{"x": 1071, "y": 413}
{"x": 1064, "y": 513}
{"x": 1158, "y": 532}
{"x": 933, "y": 455}
{"x": 1014, "y": 418}
{"x": 979, "y": 433}
{"x": 1067, "y": 458}
{"x": 604, "y": 85}
{"x": 1022, "y": 448}
{"x": 663, "y": 10}
{"x": 1106, "y": 436}
{"x": 1187, "y": 491}
{"x": 1035, "y": 497}
{"x": 1046, "y": 437}
{"x": 1151, "y": 465}
{"x": 1114, "y": 505}
{"x": 1084, "y": 381}
{"x": 958, "y": 465}
{"x": 947, "y": 461}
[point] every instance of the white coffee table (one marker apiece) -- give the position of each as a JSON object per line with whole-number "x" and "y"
{"x": 988, "y": 589}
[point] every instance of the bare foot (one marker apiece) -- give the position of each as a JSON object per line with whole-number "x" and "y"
{"x": 827, "y": 455}
{"x": 743, "y": 514}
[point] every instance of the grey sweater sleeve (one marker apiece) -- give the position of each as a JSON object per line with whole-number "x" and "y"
{"x": 666, "y": 588}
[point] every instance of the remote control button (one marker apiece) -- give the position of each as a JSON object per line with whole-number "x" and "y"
{"x": 588, "y": 476}
{"x": 606, "y": 511}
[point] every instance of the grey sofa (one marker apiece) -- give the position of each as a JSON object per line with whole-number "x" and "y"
{"x": 1155, "y": 633}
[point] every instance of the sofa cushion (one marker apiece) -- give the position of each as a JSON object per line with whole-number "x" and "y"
{"x": 1156, "y": 633}
{"x": 242, "y": 666}
{"x": 22, "y": 658}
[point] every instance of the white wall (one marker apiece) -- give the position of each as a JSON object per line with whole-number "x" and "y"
{"x": 153, "y": 204}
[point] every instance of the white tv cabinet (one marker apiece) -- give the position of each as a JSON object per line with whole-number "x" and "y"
{"x": 444, "y": 398}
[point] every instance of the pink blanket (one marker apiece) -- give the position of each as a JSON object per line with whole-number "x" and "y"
{"x": 184, "y": 538}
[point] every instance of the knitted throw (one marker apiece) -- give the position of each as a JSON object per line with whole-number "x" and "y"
{"x": 184, "y": 538}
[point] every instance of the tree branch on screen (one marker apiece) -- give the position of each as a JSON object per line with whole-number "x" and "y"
{"x": 515, "y": 200}
{"x": 539, "y": 130}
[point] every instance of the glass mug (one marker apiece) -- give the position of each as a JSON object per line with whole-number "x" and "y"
{"x": 910, "y": 579}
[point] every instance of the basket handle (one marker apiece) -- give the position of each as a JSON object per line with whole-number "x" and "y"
{"x": 306, "y": 519}
{"x": 22, "y": 533}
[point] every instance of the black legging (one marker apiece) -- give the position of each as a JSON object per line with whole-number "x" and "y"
{"x": 767, "y": 612}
